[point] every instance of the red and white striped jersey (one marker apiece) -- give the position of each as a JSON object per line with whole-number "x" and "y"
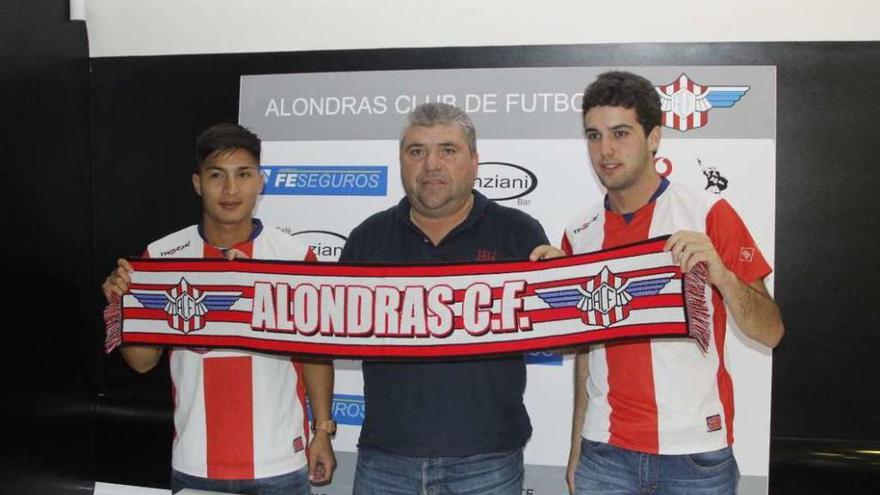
{"x": 665, "y": 396}
{"x": 237, "y": 414}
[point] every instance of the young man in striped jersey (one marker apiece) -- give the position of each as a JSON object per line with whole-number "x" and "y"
{"x": 239, "y": 417}
{"x": 656, "y": 415}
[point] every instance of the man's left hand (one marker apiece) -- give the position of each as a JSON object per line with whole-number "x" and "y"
{"x": 689, "y": 248}
{"x": 322, "y": 462}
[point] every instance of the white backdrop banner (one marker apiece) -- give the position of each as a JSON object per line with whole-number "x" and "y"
{"x": 330, "y": 157}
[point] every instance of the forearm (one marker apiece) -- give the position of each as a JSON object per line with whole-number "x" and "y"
{"x": 318, "y": 376}
{"x": 141, "y": 358}
{"x": 581, "y": 373}
{"x": 753, "y": 310}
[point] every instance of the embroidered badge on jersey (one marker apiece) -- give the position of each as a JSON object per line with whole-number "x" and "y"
{"x": 298, "y": 444}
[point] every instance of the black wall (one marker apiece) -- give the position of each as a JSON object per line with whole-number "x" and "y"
{"x": 147, "y": 111}
{"x": 97, "y": 165}
{"x": 47, "y": 357}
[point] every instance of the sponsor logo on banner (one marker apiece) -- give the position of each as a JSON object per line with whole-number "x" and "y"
{"x": 186, "y": 305}
{"x": 715, "y": 182}
{"x": 500, "y": 181}
{"x": 325, "y": 180}
{"x": 544, "y": 357}
{"x": 663, "y": 166}
{"x": 686, "y": 104}
{"x": 346, "y": 409}
{"x": 326, "y": 245}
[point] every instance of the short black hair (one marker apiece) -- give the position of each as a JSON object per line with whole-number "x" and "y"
{"x": 225, "y": 138}
{"x": 627, "y": 90}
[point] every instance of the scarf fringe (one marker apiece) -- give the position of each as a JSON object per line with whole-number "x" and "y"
{"x": 112, "y": 324}
{"x": 696, "y": 304}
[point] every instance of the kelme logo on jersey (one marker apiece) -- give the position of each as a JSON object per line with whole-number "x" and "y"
{"x": 325, "y": 180}
{"x": 326, "y": 245}
{"x": 500, "y": 181}
{"x": 544, "y": 357}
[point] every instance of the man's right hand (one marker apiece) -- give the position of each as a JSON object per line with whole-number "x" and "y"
{"x": 545, "y": 252}
{"x": 116, "y": 284}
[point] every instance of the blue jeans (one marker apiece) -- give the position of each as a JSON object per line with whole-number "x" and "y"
{"x": 295, "y": 483}
{"x": 378, "y": 473}
{"x": 606, "y": 469}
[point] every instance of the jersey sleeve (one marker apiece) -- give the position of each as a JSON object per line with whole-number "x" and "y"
{"x": 734, "y": 243}
{"x": 537, "y": 236}
{"x": 565, "y": 244}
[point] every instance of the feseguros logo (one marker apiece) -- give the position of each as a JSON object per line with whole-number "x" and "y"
{"x": 346, "y": 409}
{"x": 500, "y": 181}
{"x": 325, "y": 180}
{"x": 326, "y": 245}
{"x": 545, "y": 358}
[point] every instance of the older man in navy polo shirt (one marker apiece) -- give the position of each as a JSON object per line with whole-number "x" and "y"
{"x": 443, "y": 426}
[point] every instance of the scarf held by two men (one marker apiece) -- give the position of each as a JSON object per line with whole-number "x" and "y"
{"x": 396, "y": 311}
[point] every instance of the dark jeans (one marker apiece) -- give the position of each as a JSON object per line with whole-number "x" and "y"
{"x": 605, "y": 469}
{"x": 379, "y": 473}
{"x": 295, "y": 483}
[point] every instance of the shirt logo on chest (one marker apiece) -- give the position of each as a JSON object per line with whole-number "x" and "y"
{"x": 485, "y": 255}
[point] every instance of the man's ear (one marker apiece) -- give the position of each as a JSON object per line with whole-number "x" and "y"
{"x": 654, "y": 139}
{"x": 197, "y": 184}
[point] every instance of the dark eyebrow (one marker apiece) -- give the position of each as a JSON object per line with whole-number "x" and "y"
{"x": 236, "y": 169}
{"x": 613, "y": 128}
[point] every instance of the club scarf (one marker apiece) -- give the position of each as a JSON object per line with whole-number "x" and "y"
{"x": 396, "y": 311}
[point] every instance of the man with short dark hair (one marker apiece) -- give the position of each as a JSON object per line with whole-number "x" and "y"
{"x": 659, "y": 412}
{"x": 443, "y": 426}
{"x": 238, "y": 415}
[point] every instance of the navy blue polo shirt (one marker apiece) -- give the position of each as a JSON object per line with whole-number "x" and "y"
{"x": 445, "y": 407}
